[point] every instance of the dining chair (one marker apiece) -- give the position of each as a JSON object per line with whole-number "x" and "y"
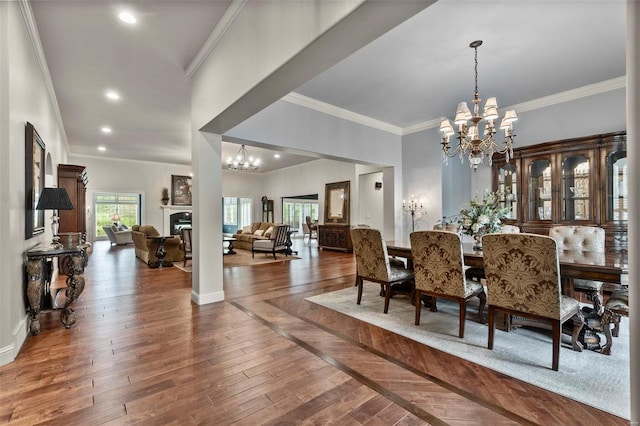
{"x": 523, "y": 278}
{"x": 186, "y": 244}
{"x": 372, "y": 264}
{"x": 312, "y": 229}
{"x": 277, "y": 242}
{"x": 582, "y": 238}
{"x": 438, "y": 268}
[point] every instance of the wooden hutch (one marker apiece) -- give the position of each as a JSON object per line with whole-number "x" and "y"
{"x": 580, "y": 181}
{"x": 74, "y": 179}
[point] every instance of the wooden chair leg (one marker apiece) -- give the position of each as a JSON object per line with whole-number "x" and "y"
{"x": 556, "y": 333}
{"x": 359, "y": 284}
{"x": 491, "y": 326}
{"x": 434, "y": 307}
{"x": 483, "y": 301}
{"x": 387, "y": 297}
{"x": 463, "y": 317}
{"x": 417, "y": 297}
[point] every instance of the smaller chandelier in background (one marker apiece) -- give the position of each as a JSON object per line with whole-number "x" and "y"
{"x": 243, "y": 161}
{"x": 469, "y": 141}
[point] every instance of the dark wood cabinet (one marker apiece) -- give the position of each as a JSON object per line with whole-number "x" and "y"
{"x": 74, "y": 179}
{"x": 335, "y": 237}
{"x": 580, "y": 181}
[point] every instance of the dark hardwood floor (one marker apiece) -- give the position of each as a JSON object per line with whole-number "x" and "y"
{"x": 141, "y": 352}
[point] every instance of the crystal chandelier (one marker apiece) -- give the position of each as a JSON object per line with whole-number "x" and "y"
{"x": 243, "y": 161}
{"x": 469, "y": 141}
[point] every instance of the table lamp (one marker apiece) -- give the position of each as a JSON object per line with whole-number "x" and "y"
{"x": 115, "y": 218}
{"x": 54, "y": 199}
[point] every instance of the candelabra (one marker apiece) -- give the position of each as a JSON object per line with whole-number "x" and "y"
{"x": 413, "y": 207}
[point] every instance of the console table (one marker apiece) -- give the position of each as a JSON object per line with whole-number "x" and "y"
{"x": 73, "y": 261}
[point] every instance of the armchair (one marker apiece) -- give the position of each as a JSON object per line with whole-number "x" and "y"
{"x": 118, "y": 236}
{"x": 277, "y": 242}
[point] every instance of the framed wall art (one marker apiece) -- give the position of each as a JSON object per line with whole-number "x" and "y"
{"x": 180, "y": 190}
{"x": 34, "y": 181}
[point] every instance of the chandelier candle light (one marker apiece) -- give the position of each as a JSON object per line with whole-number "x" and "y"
{"x": 469, "y": 142}
{"x": 243, "y": 161}
{"x": 412, "y": 208}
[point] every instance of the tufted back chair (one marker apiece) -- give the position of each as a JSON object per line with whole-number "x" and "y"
{"x": 510, "y": 229}
{"x": 581, "y": 238}
{"x": 372, "y": 262}
{"x": 523, "y": 278}
{"x": 439, "y": 272}
{"x": 586, "y": 239}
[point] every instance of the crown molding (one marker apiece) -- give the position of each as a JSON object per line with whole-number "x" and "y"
{"x": 34, "y": 36}
{"x": 557, "y": 98}
{"x": 305, "y": 101}
{"x": 223, "y": 25}
{"x": 572, "y": 95}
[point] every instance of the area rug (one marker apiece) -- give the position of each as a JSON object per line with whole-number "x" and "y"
{"x": 243, "y": 258}
{"x": 589, "y": 377}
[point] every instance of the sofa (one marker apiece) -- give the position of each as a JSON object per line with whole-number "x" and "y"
{"x": 146, "y": 248}
{"x": 118, "y": 234}
{"x": 257, "y": 230}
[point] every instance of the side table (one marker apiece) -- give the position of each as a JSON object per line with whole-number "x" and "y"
{"x": 73, "y": 261}
{"x": 160, "y": 252}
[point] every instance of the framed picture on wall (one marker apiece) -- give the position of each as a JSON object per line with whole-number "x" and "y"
{"x": 34, "y": 181}
{"x": 180, "y": 190}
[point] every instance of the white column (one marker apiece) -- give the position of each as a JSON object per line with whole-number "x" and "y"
{"x": 206, "y": 150}
{"x": 633, "y": 155}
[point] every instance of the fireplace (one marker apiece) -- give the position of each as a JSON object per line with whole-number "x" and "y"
{"x": 177, "y": 221}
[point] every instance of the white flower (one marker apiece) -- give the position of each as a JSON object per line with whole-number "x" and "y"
{"x": 475, "y": 227}
{"x": 483, "y": 219}
{"x": 467, "y": 222}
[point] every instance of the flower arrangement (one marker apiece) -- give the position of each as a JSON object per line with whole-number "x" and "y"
{"x": 482, "y": 217}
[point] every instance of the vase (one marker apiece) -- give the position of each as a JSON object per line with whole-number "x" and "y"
{"x": 477, "y": 245}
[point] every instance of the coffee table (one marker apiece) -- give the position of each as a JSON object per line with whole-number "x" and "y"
{"x": 229, "y": 241}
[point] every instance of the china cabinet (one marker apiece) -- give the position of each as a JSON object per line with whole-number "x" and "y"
{"x": 580, "y": 181}
{"x": 74, "y": 179}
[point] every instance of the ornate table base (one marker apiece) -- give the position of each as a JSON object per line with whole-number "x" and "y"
{"x": 72, "y": 265}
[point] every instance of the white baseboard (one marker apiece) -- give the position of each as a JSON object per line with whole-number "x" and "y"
{"x": 203, "y": 299}
{"x": 9, "y": 353}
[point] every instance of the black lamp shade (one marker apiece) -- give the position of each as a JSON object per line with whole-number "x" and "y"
{"x": 54, "y": 199}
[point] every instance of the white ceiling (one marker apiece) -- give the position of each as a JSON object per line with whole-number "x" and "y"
{"x": 416, "y": 72}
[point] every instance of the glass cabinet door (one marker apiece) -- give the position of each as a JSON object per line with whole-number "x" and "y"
{"x": 575, "y": 189}
{"x": 539, "y": 189}
{"x": 508, "y": 190}
{"x": 616, "y": 186}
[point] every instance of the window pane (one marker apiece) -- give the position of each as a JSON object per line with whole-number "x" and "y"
{"x": 105, "y": 205}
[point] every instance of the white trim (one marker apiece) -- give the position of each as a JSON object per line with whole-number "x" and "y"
{"x": 9, "y": 353}
{"x": 216, "y": 35}
{"x": 34, "y": 36}
{"x": 305, "y": 101}
{"x": 218, "y": 296}
{"x": 557, "y": 98}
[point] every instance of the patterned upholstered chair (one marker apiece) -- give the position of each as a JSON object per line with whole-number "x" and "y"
{"x": 438, "y": 268}
{"x": 372, "y": 263}
{"x": 523, "y": 278}
{"x": 582, "y": 238}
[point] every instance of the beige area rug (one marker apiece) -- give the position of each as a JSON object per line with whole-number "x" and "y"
{"x": 243, "y": 258}
{"x": 589, "y": 377}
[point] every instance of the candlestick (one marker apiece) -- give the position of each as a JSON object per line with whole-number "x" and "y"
{"x": 412, "y": 208}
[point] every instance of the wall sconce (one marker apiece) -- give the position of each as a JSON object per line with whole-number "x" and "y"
{"x": 378, "y": 185}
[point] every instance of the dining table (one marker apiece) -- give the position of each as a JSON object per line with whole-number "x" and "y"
{"x": 608, "y": 267}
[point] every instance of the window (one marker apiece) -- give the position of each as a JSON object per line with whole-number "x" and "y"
{"x": 106, "y": 204}
{"x": 295, "y": 209}
{"x": 236, "y": 213}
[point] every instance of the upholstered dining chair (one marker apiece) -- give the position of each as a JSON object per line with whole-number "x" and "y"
{"x": 582, "y": 238}
{"x": 186, "y": 244}
{"x": 277, "y": 242}
{"x": 438, "y": 269}
{"x": 372, "y": 263}
{"x": 523, "y": 278}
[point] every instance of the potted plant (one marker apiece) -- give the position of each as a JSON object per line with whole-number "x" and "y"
{"x": 165, "y": 196}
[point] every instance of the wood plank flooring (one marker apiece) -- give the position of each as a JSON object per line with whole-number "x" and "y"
{"x": 141, "y": 352}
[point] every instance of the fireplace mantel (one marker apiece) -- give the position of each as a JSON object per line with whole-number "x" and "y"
{"x": 167, "y": 212}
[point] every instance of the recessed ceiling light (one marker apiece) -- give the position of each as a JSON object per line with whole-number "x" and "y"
{"x": 102, "y": 148}
{"x": 276, "y": 155}
{"x": 106, "y": 129}
{"x": 127, "y": 17}
{"x": 113, "y": 95}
